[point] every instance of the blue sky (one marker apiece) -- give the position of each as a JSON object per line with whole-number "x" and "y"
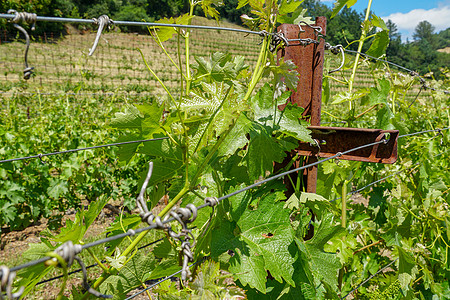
{"x": 406, "y": 14}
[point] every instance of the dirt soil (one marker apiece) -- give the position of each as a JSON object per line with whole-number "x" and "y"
{"x": 15, "y": 243}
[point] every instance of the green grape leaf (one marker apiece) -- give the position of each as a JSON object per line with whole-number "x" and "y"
{"x": 131, "y": 118}
{"x": 263, "y": 151}
{"x": 339, "y": 4}
{"x": 120, "y": 225}
{"x": 126, "y": 152}
{"x": 166, "y": 33}
{"x": 236, "y": 138}
{"x": 384, "y": 117}
{"x": 288, "y": 6}
{"x": 289, "y": 12}
{"x": 379, "y": 22}
{"x": 242, "y": 3}
{"x": 209, "y": 9}
{"x": 118, "y": 261}
{"x": 57, "y": 188}
{"x": 74, "y": 231}
{"x": 284, "y": 74}
{"x": 377, "y": 95}
{"x": 258, "y": 241}
{"x": 291, "y": 124}
{"x": 317, "y": 203}
{"x": 219, "y": 67}
{"x": 152, "y": 121}
{"x": 163, "y": 170}
{"x": 379, "y": 44}
{"x": 325, "y": 265}
{"x": 30, "y": 276}
{"x": 165, "y": 268}
{"x": 137, "y": 270}
{"x": 162, "y": 149}
{"x": 164, "y": 250}
{"x": 407, "y": 268}
{"x": 262, "y": 105}
{"x": 349, "y": 96}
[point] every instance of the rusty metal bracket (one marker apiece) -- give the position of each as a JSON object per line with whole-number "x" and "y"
{"x": 332, "y": 140}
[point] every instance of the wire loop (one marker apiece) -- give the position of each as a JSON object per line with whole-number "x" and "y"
{"x": 336, "y": 50}
{"x": 187, "y": 212}
{"x": 29, "y": 18}
{"x": 211, "y": 201}
{"x": 102, "y": 21}
{"x": 6, "y": 281}
{"x": 69, "y": 251}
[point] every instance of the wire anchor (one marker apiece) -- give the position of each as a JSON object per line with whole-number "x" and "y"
{"x": 68, "y": 252}
{"x": 335, "y": 50}
{"x": 29, "y": 18}
{"x": 6, "y": 281}
{"x": 102, "y": 21}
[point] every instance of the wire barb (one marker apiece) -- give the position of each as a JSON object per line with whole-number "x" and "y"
{"x": 29, "y": 18}
{"x": 102, "y": 21}
{"x": 6, "y": 281}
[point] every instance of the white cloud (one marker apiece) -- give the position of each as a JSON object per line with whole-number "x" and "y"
{"x": 406, "y": 22}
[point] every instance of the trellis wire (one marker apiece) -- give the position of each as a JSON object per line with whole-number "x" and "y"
{"x": 93, "y": 265}
{"x": 132, "y": 23}
{"x": 384, "y": 178}
{"x": 370, "y": 277}
{"x": 9, "y": 94}
{"x": 411, "y": 72}
{"x": 80, "y": 149}
{"x": 160, "y": 281}
{"x": 139, "y": 230}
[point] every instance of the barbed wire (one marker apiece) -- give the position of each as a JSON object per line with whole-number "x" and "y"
{"x": 40, "y": 156}
{"x": 370, "y": 277}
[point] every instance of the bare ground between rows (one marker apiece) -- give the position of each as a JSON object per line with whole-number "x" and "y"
{"x": 14, "y": 243}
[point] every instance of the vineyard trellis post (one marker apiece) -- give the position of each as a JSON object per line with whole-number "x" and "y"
{"x": 329, "y": 140}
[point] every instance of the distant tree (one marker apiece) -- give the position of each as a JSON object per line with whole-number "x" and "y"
{"x": 395, "y": 40}
{"x": 228, "y": 11}
{"x": 424, "y": 31}
{"x": 393, "y": 30}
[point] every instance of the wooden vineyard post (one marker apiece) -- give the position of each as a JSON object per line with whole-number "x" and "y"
{"x": 309, "y": 60}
